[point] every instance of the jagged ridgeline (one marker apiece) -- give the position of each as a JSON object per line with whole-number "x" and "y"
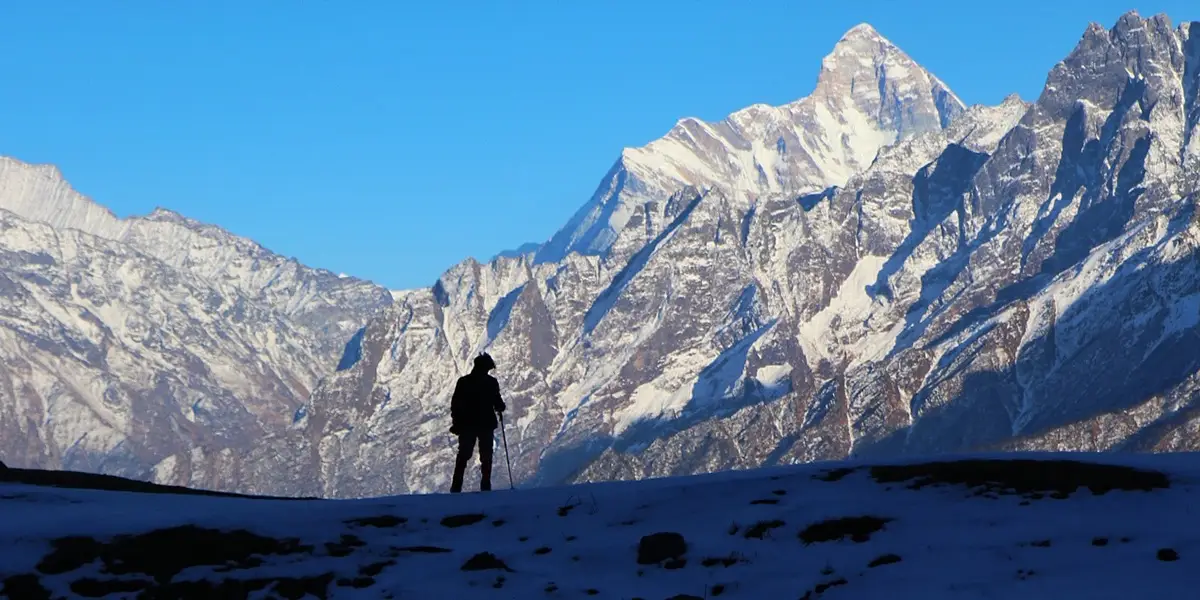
{"x": 874, "y": 269}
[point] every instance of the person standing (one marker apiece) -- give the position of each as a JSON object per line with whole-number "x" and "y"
{"x": 473, "y": 410}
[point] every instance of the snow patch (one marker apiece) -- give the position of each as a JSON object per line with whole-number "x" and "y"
{"x": 852, "y": 306}
{"x": 164, "y": 471}
{"x": 1184, "y": 315}
{"x": 774, "y": 376}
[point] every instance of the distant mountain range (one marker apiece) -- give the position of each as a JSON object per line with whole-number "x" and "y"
{"x": 139, "y": 346}
{"x": 874, "y": 269}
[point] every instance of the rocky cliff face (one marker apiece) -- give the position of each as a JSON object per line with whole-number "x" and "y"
{"x": 874, "y": 269}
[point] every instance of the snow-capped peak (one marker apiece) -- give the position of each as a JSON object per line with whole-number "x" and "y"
{"x": 884, "y": 81}
{"x": 865, "y": 73}
{"x": 869, "y": 94}
{"x": 862, "y": 30}
{"x": 859, "y": 47}
{"x": 862, "y": 43}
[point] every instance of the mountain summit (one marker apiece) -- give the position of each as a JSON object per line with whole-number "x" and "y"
{"x": 869, "y": 94}
{"x": 868, "y": 72}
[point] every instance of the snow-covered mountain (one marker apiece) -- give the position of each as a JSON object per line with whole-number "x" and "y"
{"x": 139, "y": 346}
{"x": 869, "y": 94}
{"x": 873, "y": 269}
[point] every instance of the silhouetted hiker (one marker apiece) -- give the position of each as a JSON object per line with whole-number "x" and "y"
{"x": 473, "y": 411}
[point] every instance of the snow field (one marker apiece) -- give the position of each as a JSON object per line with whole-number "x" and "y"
{"x": 917, "y": 530}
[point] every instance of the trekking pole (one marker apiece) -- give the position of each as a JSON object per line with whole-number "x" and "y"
{"x": 504, "y": 437}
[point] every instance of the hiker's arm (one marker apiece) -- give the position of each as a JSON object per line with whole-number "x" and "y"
{"x": 497, "y": 401}
{"x": 456, "y": 403}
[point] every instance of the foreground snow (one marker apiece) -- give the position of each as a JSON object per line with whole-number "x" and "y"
{"x": 817, "y": 531}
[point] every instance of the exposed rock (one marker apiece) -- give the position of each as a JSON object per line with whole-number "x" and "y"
{"x": 661, "y": 547}
{"x": 484, "y": 561}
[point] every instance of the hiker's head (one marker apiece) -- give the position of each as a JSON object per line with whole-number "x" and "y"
{"x": 484, "y": 362}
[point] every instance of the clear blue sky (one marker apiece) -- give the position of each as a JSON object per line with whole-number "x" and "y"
{"x": 390, "y": 140}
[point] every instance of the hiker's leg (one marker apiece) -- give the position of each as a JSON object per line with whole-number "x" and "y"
{"x": 466, "y": 447}
{"x": 486, "y": 442}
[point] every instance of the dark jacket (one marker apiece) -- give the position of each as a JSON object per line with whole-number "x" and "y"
{"x": 475, "y": 404}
